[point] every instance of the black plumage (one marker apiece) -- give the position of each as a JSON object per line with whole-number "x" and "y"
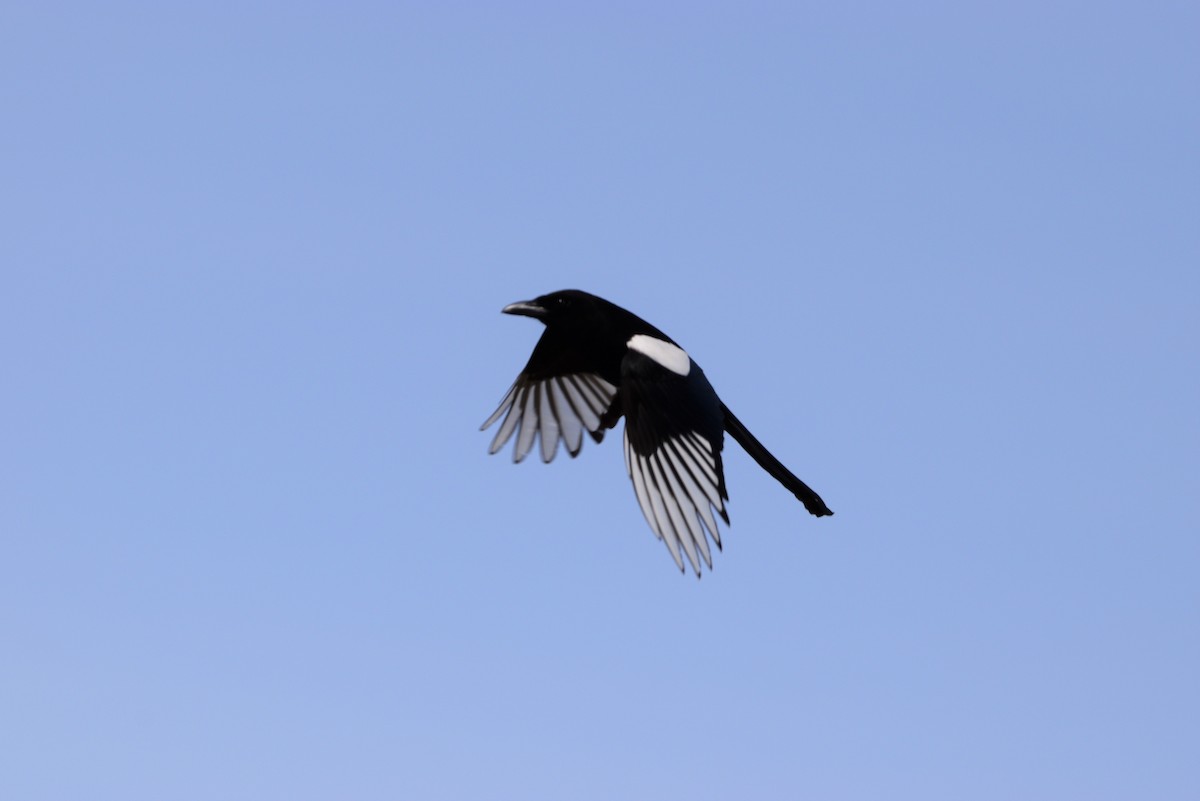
{"x": 596, "y": 362}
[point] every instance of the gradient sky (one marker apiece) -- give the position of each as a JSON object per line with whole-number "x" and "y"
{"x": 943, "y": 259}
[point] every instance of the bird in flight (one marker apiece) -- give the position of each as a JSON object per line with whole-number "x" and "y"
{"x": 597, "y": 362}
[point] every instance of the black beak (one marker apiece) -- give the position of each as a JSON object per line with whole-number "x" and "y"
{"x": 526, "y": 308}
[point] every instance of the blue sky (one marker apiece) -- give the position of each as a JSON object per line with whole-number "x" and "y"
{"x": 941, "y": 258}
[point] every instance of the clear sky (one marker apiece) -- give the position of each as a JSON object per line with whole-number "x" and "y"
{"x": 942, "y": 258}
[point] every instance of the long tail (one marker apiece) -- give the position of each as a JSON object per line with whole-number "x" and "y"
{"x": 811, "y": 500}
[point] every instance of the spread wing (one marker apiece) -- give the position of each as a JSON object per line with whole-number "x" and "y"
{"x": 551, "y": 408}
{"x": 673, "y": 441}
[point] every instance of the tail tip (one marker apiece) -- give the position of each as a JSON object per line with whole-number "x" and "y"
{"x": 817, "y": 508}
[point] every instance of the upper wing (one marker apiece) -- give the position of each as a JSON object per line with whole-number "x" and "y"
{"x": 673, "y": 441}
{"x": 554, "y": 407}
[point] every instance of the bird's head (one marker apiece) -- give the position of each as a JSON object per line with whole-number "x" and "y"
{"x": 562, "y": 309}
{"x": 586, "y": 324}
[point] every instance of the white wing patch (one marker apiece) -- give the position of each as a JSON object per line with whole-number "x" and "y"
{"x": 559, "y": 407}
{"x": 669, "y": 355}
{"x": 678, "y": 487}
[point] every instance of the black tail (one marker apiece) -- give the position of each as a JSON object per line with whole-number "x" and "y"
{"x": 811, "y": 500}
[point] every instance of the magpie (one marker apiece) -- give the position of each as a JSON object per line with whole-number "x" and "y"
{"x": 596, "y": 362}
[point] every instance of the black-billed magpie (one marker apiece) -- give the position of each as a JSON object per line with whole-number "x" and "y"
{"x": 596, "y": 362}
